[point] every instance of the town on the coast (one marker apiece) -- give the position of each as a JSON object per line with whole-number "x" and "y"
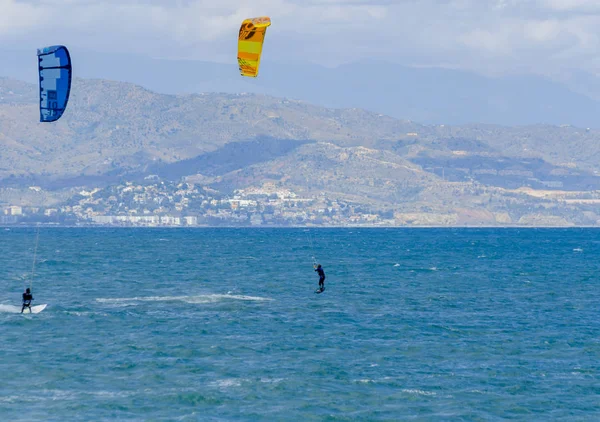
{"x": 173, "y": 204}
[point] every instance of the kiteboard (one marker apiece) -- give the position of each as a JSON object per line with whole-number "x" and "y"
{"x": 35, "y": 309}
{"x": 319, "y": 290}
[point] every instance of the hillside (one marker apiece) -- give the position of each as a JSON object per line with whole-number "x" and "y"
{"x": 115, "y": 132}
{"x": 117, "y": 126}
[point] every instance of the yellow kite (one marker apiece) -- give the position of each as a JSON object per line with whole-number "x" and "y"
{"x": 250, "y": 42}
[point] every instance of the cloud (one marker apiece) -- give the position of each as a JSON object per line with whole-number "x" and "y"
{"x": 16, "y": 17}
{"x": 498, "y": 35}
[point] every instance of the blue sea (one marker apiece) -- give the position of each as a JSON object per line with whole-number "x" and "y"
{"x": 224, "y": 324}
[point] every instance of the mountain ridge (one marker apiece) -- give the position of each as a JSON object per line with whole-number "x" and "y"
{"x": 115, "y": 134}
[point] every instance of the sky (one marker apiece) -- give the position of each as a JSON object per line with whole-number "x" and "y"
{"x": 496, "y": 37}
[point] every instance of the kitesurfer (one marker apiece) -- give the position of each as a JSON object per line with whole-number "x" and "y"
{"x": 27, "y": 298}
{"x": 321, "y": 273}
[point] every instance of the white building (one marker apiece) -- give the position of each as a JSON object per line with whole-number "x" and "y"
{"x": 13, "y": 210}
{"x": 190, "y": 221}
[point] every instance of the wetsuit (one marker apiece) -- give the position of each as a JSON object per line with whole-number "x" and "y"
{"x": 27, "y": 298}
{"x": 321, "y": 277}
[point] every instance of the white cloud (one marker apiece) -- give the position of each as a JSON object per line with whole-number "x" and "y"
{"x": 17, "y": 17}
{"x": 503, "y": 35}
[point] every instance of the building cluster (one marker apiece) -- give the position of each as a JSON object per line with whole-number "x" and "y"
{"x": 155, "y": 203}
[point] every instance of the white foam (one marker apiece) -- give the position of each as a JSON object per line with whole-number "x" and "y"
{"x": 111, "y": 394}
{"x": 372, "y": 381}
{"x": 271, "y": 380}
{"x": 76, "y": 313}
{"x": 10, "y": 309}
{"x": 419, "y": 392}
{"x": 226, "y": 383}
{"x": 61, "y": 395}
{"x": 210, "y": 298}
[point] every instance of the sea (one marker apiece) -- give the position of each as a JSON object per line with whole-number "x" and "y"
{"x": 223, "y": 324}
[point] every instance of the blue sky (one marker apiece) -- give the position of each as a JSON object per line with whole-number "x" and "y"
{"x": 547, "y": 37}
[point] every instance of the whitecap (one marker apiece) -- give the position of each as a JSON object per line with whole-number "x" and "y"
{"x": 111, "y": 394}
{"x": 226, "y": 383}
{"x": 12, "y": 309}
{"x": 12, "y": 399}
{"x": 77, "y": 313}
{"x": 221, "y": 297}
{"x": 271, "y": 380}
{"x": 209, "y": 298}
{"x": 419, "y": 392}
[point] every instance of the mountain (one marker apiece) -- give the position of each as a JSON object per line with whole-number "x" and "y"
{"x": 118, "y": 126}
{"x": 427, "y": 95}
{"x": 116, "y": 133}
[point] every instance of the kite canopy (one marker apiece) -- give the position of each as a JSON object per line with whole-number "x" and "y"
{"x": 250, "y": 42}
{"x": 54, "y": 64}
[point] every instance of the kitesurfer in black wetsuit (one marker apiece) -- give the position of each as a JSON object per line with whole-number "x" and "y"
{"x": 27, "y": 298}
{"x": 319, "y": 270}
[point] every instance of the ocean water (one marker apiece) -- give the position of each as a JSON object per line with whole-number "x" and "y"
{"x": 224, "y": 324}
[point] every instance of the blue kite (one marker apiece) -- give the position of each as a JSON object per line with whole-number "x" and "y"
{"x": 55, "y": 81}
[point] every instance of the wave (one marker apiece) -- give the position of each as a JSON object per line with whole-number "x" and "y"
{"x": 210, "y": 298}
{"x": 12, "y": 309}
{"x": 84, "y": 314}
{"x": 227, "y": 383}
{"x": 419, "y": 392}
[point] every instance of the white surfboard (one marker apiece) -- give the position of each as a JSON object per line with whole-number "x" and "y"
{"x": 35, "y": 309}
